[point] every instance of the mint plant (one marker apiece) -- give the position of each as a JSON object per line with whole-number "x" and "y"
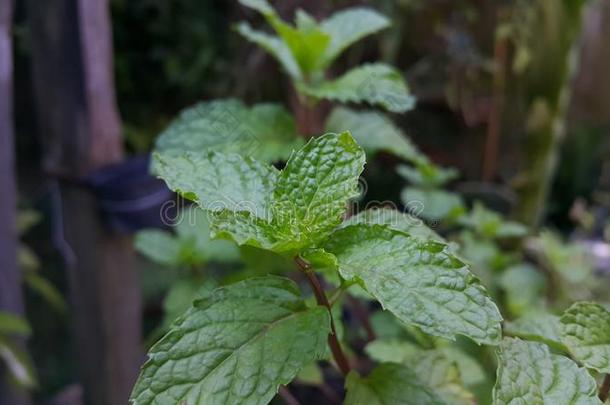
{"x": 297, "y": 212}
{"x": 240, "y": 342}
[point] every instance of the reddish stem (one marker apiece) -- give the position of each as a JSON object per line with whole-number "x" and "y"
{"x": 605, "y": 389}
{"x": 321, "y": 299}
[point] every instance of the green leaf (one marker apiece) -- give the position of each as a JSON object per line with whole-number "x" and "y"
{"x": 471, "y": 372}
{"x": 375, "y": 84}
{"x": 191, "y": 244}
{"x": 47, "y": 291}
{"x": 427, "y": 174}
{"x": 26, "y": 220}
{"x": 538, "y": 326}
{"x": 442, "y": 375}
{"x": 523, "y": 286}
{"x": 246, "y": 229}
{"x": 236, "y": 346}
{"x": 389, "y": 384}
{"x": 373, "y": 131}
{"x": 394, "y": 219}
{"x": 568, "y": 260}
{"x": 159, "y": 246}
{"x": 313, "y": 189}
{"x": 311, "y": 374}
{"x": 585, "y": 330}
{"x": 11, "y": 323}
{"x": 348, "y": 26}
{"x": 391, "y": 350}
{"x": 27, "y": 259}
{"x": 262, "y": 6}
{"x": 265, "y": 131}
{"x": 254, "y": 205}
{"x": 432, "y": 204}
{"x": 435, "y": 368}
{"x": 218, "y": 181}
{"x": 528, "y": 373}
{"x": 18, "y": 363}
{"x": 196, "y": 246}
{"x": 181, "y": 295}
{"x": 418, "y": 281}
{"x": 274, "y": 46}
{"x": 307, "y": 41}
{"x": 490, "y": 224}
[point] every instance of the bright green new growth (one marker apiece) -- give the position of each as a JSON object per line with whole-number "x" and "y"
{"x": 255, "y": 205}
{"x": 310, "y": 46}
{"x": 585, "y": 330}
{"x": 307, "y": 48}
{"x": 528, "y": 373}
{"x": 235, "y": 346}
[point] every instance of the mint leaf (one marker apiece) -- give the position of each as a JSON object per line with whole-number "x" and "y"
{"x": 307, "y": 41}
{"x": 418, "y": 281}
{"x": 246, "y": 229}
{"x": 427, "y": 174}
{"x": 433, "y": 204}
{"x": 471, "y": 372}
{"x": 265, "y": 131}
{"x": 523, "y": 285}
{"x": 528, "y": 373}
{"x": 13, "y": 324}
{"x": 373, "y": 131}
{"x": 394, "y": 219}
{"x": 274, "y": 46}
{"x": 348, "y": 26}
{"x": 254, "y": 204}
{"x": 181, "y": 295}
{"x": 585, "y": 330}
{"x": 375, "y": 84}
{"x": 490, "y": 224}
{"x": 433, "y": 367}
{"x": 235, "y": 346}
{"x": 159, "y": 246}
{"x": 313, "y": 189}
{"x": 389, "y": 384}
{"x": 391, "y": 350}
{"x": 191, "y": 244}
{"x": 442, "y": 375}
{"x": 218, "y": 181}
{"x": 539, "y": 326}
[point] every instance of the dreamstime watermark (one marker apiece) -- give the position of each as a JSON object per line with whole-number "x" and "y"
{"x": 303, "y": 209}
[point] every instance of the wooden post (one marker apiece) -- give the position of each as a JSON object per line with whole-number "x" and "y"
{"x": 80, "y": 130}
{"x": 11, "y": 294}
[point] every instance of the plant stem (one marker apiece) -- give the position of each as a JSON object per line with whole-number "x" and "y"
{"x": 321, "y": 299}
{"x": 605, "y": 389}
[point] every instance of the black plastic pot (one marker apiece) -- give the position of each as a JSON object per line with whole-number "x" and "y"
{"x": 130, "y": 198}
